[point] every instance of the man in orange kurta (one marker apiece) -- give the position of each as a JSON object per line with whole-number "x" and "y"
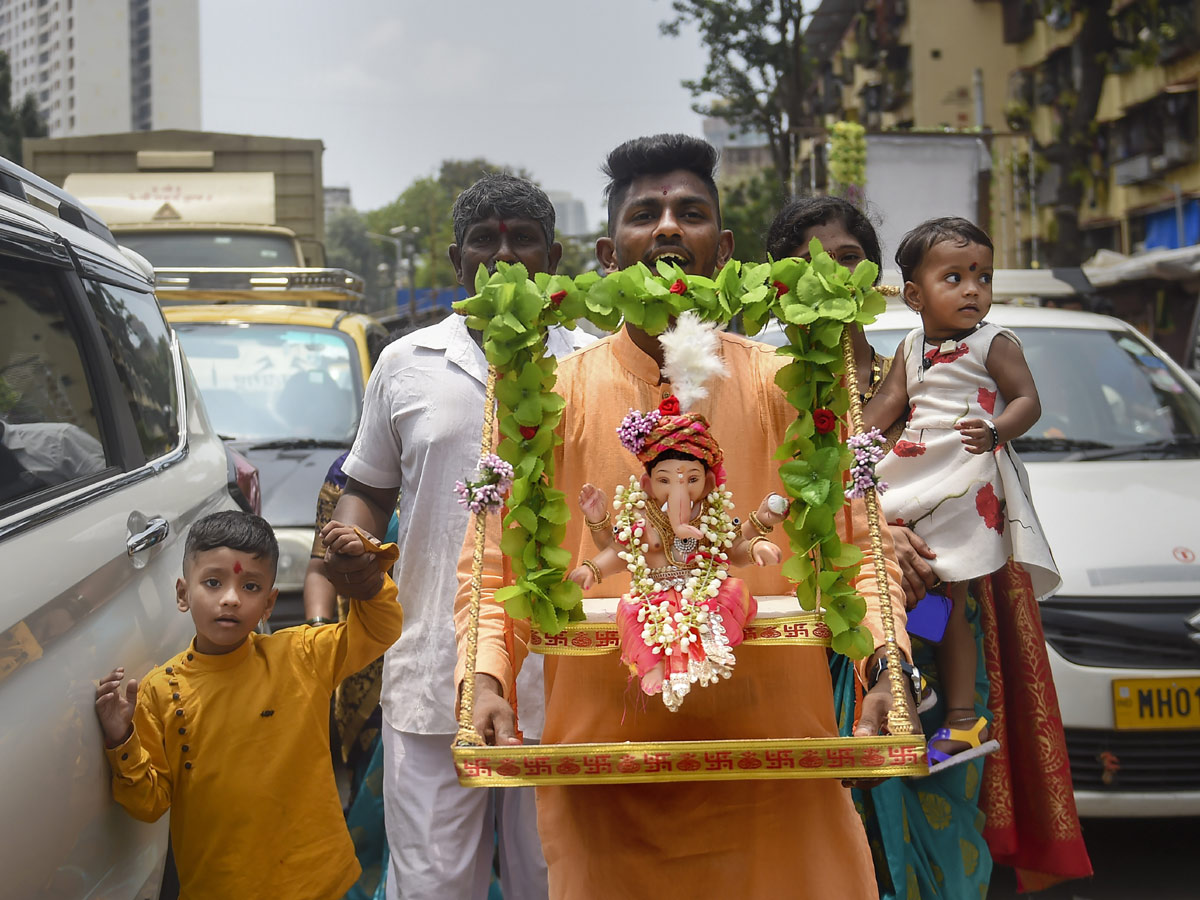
{"x": 746, "y": 839}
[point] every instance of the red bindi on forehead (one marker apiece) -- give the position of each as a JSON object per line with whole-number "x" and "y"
{"x": 237, "y": 568}
{"x": 974, "y": 266}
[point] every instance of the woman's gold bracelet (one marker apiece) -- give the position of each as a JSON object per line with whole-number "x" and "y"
{"x": 762, "y": 529}
{"x": 598, "y": 526}
{"x": 595, "y": 570}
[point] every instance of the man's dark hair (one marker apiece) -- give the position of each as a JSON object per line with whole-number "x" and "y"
{"x": 236, "y": 530}
{"x": 803, "y": 213}
{"x": 505, "y": 196}
{"x": 931, "y": 232}
{"x": 659, "y": 154}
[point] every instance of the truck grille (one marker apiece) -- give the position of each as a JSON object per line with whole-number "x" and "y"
{"x": 1134, "y": 760}
{"x": 1123, "y": 632}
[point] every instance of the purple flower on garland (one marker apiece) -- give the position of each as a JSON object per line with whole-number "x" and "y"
{"x": 634, "y": 428}
{"x": 868, "y": 449}
{"x": 492, "y": 482}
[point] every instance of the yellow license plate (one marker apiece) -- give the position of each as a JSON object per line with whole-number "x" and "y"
{"x": 1164, "y": 703}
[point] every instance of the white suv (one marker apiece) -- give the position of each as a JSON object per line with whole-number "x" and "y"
{"x": 106, "y": 458}
{"x": 1114, "y": 468}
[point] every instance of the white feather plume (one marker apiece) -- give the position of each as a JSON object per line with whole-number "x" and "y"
{"x": 691, "y": 356}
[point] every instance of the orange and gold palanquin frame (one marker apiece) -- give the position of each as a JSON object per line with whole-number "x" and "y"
{"x": 899, "y": 753}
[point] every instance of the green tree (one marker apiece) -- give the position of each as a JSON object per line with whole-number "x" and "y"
{"x": 348, "y": 246}
{"x": 747, "y": 208}
{"x": 757, "y": 68}
{"x": 17, "y": 123}
{"x": 425, "y": 205}
{"x": 579, "y": 253}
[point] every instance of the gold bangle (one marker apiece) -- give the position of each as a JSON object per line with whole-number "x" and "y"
{"x": 598, "y": 526}
{"x": 762, "y": 529}
{"x": 595, "y": 570}
{"x": 752, "y": 542}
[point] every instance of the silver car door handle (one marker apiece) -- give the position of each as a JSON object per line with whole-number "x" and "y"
{"x": 157, "y": 528}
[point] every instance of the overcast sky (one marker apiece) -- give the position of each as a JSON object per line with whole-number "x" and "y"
{"x": 393, "y": 87}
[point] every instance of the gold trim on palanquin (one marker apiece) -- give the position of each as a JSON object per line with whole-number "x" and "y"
{"x": 597, "y": 638}
{"x": 629, "y": 762}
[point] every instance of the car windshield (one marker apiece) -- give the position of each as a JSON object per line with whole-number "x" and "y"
{"x": 211, "y": 249}
{"x": 275, "y": 383}
{"x": 1105, "y": 395}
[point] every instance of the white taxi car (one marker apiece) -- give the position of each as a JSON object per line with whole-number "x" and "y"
{"x": 106, "y": 458}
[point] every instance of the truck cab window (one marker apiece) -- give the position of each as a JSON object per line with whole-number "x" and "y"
{"x": 140, "y": 343}
{"x": 49, "y": 432}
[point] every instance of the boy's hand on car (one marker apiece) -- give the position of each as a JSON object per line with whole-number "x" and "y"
{"x": 115, "y": 709}
{"x": 350, "y": 561}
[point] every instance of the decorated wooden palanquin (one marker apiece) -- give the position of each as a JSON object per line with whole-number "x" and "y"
{"x": 818, "y": 303}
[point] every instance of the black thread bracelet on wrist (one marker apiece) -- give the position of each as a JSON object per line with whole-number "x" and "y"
{"x": 995, "y": 434}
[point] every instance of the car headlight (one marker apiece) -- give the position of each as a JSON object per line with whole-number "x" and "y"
{"x": 295, "y": 548}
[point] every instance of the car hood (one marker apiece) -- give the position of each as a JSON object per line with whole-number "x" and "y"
{"x": 290, "y": 480}
{"x": 1121, "y": 527}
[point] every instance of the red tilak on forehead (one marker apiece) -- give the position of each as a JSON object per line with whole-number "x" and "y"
{"x": 664, "y": 190}
{"x": 503, "y": 228}
{"x": 237, "y": 567}
{"x": 974, "y": 266}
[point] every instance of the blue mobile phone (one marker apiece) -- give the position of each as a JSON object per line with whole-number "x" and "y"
{"x": 927, "y": 620}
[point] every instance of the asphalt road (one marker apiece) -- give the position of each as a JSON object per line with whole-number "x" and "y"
{"x": 1134, "y": 859}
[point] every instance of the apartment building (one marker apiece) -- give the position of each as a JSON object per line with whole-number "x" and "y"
{"x": 103, "y": 66}
{"x": 1143, "y": 176}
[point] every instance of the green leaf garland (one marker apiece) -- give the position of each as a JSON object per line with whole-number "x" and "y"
{"x": 814, "y": 301}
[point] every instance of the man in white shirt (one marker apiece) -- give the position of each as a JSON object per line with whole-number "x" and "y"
{"x": 420, "y": 432}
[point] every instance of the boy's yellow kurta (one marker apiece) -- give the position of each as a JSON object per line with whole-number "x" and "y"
{"x": 237, "y": 747}
{"x": 752, "y": 839}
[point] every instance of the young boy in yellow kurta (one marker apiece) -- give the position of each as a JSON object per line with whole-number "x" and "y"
{"x": 232, "y": 734}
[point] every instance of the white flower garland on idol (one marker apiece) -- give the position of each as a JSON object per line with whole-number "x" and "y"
{"x": 664, "y": 632}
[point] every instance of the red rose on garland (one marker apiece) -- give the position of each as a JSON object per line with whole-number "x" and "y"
{"x": 824, "y": 420}
{"x": 780, "y": 288}
{"x": 669, "y": 406}
{"x": 678, "y": 287}
{"x": 528, "y": 431}
{"x": 558, "y": 297}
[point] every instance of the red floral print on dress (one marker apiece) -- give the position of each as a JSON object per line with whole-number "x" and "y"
{"x": 936, "y": 356}
{"x": 990, "y": 508}
{"x": 908, "y": 449}
{"x": 987, "y": 399}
